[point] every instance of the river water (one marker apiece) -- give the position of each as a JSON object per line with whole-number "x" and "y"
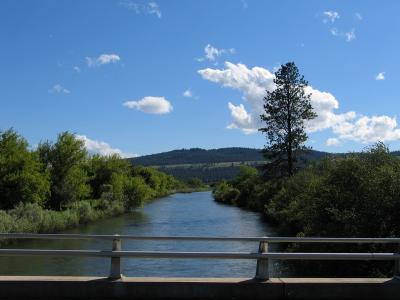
{"x": 195, "y": 214}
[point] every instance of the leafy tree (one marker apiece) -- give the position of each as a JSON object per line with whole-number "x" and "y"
{"x": 225, "y": 193}
{"x": 21, "y": 179}
{"x": 65, "y": 161}
{"x": 245, "y": 182}
{"x": 101, "y": 169}
{"x": 136, "y": 192}
{"x": 286, "y": 109}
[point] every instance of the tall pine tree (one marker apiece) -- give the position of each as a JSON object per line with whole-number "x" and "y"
{"x": 286, "y": 110}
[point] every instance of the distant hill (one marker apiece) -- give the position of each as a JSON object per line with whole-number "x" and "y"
{"x": 208, "y": 165}
{"x": 199, "y": 156}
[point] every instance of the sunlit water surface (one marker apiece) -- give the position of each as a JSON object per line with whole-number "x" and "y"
{"x": 195, "y": 214}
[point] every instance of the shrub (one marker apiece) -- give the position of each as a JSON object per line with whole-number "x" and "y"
{"x": 225, "y": 193}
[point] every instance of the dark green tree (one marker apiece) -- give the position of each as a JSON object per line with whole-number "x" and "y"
{"x": 286, "y": 110}
{"x": 65, "y": 161}
{"x": 21, "y": 176}
{"x": 101, "y": 170}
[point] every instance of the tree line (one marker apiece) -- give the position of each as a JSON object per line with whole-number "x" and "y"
{"x": 59, "y": 185}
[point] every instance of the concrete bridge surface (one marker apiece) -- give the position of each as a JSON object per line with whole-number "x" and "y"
{"x": 99, "y": 288}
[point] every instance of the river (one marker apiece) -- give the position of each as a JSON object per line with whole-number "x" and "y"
{"x": 195, "y": 214}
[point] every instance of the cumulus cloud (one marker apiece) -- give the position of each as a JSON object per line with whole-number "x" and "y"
{"x": 253, "y": 82}
{"x": 358, "y": 16}
{"x": 188, "y": 93}
{"x": 380, "y": 76}
{"x": 151, "y": 105}
{"x": 77, "y": 69}
{"x": 369, "y": 129}
{"x": 102, "y": 148}
{"x": 103, "y": 59}
{"x": 332, "y": 142}
{"x": 59, "y": 89}
{"x": 211, "y": 53}
{"x": 242, "y": 119}
{"x": 151, "y": 8}
{"x": 330, "y": 16}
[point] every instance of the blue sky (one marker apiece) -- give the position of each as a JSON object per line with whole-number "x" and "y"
{"x": 141, "y": 77}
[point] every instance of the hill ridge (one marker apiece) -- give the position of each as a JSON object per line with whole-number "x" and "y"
{"x": 209, "y": 165}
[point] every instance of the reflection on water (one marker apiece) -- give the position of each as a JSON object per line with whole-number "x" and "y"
{"x": 193, "y": 214}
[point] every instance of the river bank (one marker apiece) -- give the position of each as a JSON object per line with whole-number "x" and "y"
{"x": 194, "y": 214}
{"x": 32, "y": 218}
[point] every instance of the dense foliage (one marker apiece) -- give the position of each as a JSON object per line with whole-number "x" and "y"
{"x": 21, "y": 176}
{"x": 59, "y": 185}
{"x": 340, "y": 197}
{"x": 353, "y": 196}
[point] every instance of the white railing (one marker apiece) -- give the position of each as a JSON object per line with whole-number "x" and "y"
{"x": 263, "y": 256}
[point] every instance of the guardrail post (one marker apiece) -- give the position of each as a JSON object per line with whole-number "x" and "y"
{"x": 262, "y": 272}
{"x": 115, "y": 268}
{"x": 396, "y": 272}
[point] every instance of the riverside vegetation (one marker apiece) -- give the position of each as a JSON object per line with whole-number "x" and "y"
{"x": 353, "y": 195}
{"x": 59, "y": 185}
{"x": 357, "y": 195}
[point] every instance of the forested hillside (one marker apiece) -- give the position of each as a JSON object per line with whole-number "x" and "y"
{"x": 212, "y": 165}
{"x": 199, "y": 156}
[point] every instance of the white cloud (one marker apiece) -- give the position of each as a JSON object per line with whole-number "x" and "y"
{"x": 151, "y": 8}
{"x": 332, "y": 142}
{"x": 369, "y": 129}
{"x": 380, "y": 76}
{"x": 151, "y": 105}
{"x": 253, "y": 83}
{"x": 350, "y": 35}
{"x": 188, "y": 93}
{"x": 241, "y": 119}
{"x": 334, "y": 31}
{"x": 330, "y": 16}
{"x": 102, "y": 148}
{"x": 77, "y": 69}
{"x": 211, "y": 53}
{"x": 103, "y": 59}
{"x": 59, "y": 89}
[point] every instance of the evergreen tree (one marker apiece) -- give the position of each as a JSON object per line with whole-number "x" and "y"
{"x": 286, "y": 110}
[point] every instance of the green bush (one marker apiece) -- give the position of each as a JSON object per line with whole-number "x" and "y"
{"x": 136, "y": 192}
{"x": 225, "y": 193}
{"x": 340, "y": 197}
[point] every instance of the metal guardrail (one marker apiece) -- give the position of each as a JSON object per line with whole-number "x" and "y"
{"x": 263, "y": 256}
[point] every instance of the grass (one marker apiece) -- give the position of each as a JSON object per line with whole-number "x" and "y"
{"x": 31, "y": 218}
